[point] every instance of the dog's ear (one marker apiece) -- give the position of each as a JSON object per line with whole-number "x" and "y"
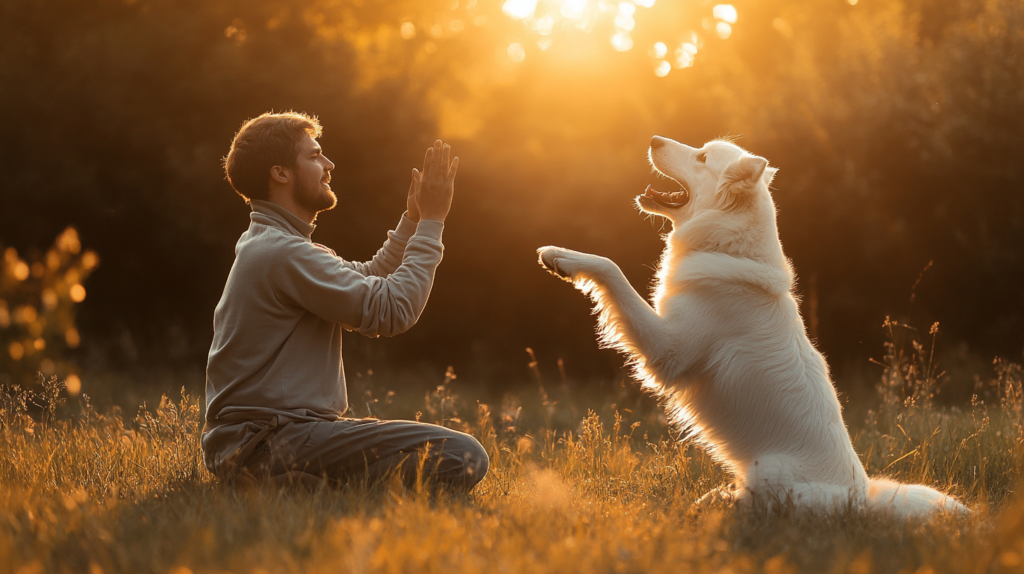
{"x": 769, "y": 175}
{"x": 739, "y": 181}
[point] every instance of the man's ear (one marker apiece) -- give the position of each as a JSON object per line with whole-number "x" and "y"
{"x": 739, "y": 181}
{"x": 280, "y": 174}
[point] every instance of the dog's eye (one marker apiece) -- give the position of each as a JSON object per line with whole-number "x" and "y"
{"x": 702, "y": 157}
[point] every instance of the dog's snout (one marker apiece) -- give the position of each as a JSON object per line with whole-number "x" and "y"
{"x": 657, "y": 142}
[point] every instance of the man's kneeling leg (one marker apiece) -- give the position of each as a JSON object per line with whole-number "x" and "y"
{"x": 354, "y": 448}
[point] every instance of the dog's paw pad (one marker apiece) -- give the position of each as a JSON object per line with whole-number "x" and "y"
{"x": 547, "y": 257}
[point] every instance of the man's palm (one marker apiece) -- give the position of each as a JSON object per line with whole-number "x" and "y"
{"x": 436, "y": 184}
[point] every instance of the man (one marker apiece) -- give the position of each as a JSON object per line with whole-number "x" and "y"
{"x": 275, "y": 386}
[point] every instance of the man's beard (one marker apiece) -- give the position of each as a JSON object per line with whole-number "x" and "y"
{"x": 314, "y": 198}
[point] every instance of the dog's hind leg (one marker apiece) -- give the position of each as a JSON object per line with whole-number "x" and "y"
{"x": 626, "y": 321}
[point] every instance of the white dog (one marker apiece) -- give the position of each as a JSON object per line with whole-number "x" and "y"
{"x": 724, "y": 344}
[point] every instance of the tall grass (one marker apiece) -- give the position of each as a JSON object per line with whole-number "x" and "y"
{"x": 104, "y": 492}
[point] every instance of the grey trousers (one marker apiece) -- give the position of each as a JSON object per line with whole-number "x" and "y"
{"x": 347, "y": 450}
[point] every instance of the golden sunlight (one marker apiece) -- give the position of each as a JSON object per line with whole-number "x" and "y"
{"x": 519, "y": 9}
{"x": 725, "y": 12}
{"x": 550, "y": 17}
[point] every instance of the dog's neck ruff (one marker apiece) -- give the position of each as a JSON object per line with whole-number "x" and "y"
{"x": 710, "y": 267}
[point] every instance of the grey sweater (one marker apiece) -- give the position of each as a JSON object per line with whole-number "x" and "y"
{"x": 277, "y": 329}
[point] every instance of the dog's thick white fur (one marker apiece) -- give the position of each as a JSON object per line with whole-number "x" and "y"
{"x": 725, "y": 346}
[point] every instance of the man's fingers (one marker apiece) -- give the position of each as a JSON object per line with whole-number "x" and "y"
{"x": 446, "y": 153}
{"x": 428, "y": 163}
{"x": 454, "y": 168}
{"x": 436, "y": 160}
{"x": 414, "y": 185}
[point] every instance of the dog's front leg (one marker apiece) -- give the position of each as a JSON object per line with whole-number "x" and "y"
{"x": 625, "y": 320}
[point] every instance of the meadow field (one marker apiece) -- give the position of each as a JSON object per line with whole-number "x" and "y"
{"x": 607, "y": 490}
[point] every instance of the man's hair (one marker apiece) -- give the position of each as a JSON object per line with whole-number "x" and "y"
{"x": 263, "y": 142}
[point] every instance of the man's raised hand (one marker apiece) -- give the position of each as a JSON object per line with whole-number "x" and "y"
{"x": 436, "y": 182}
{"x": 412, "y": 203}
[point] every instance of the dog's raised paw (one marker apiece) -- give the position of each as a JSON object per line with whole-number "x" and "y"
{"x": 547, "y": 257}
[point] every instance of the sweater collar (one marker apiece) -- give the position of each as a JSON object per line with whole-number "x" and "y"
{"x": 270, "y": 213}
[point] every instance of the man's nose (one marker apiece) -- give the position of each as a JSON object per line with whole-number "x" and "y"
{"x": 330, "y": 164}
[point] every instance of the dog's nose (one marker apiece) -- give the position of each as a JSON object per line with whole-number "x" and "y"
{"x": 657, "y": 142}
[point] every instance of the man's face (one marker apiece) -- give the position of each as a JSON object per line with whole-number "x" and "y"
{"x": 313, "y": 177}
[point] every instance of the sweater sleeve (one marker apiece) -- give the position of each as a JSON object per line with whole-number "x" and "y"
{"x": 331, "y": 289}
{"x": 389, "y": 257}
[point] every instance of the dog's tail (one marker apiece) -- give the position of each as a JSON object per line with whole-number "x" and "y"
{"x": 909, "y": 500}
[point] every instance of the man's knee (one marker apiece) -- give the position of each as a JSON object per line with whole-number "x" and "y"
{"x": 473, "y": 457}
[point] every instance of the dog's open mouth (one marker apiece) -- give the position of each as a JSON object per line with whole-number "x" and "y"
{"x": 672, "y": 200}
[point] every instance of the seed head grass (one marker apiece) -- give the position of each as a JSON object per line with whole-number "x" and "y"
{"x": 612, "y": 491}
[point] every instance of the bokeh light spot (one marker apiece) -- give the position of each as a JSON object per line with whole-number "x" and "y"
{"x": 724, "y": 30}
{"x": 72, "y": 338}
{"x": 21, "y": 271}
{"x": 574, "y": 8}
{"x": 622, "y": 42}
{"x": 47, "y": 366}
{"x": 49, "y": 297}
{"x": 77, "y": 293}
{"x": 625, "y": 22}
{"x": 662, "y": 68}
{"x": 782, "y": 27}
{"x": 90, "y": 259}
{"x": 408, "y": 30}
{"x": 519, "y": 9}
{"x": 516, "y": 52}
{"x": 16, "y": 350}
{"x": 73, "y": 384}
{"x": 68, "y": 241}
{"x": 544, "y": 26}
{"x": 725, "y": 12}
{"x": 659, "y": 50}
{"x": 25, "y": 314}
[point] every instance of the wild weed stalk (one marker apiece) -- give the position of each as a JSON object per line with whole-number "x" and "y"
{"x": 97, "y": 491}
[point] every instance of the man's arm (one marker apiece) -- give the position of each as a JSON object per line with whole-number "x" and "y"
{"x": 330, "y": 288}
{"x": 389, "y": 257}
{"x": 440, "y": 174}
{"x": 321, "y": 283}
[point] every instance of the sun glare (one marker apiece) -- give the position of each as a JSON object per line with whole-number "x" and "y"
{"x": 725, "y": 13}
{"x": 547, "y": 18}
{"x": 573, "y": 9}
{"x": 519, "y": 9}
